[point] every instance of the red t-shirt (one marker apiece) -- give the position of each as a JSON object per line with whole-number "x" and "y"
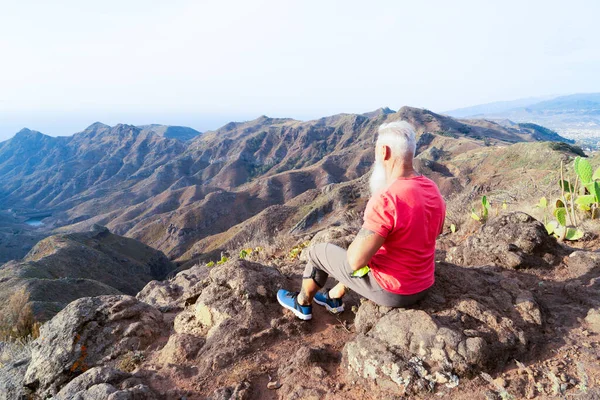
{"x": 410, "y": 215}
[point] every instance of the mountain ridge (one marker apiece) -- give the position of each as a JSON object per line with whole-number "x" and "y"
{"x": 575, "y": 116}
{"x": 168, "y": 192}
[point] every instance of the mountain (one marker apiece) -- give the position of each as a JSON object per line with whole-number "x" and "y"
{"x": 62, "y": 268}
{"x": 172, "y": 132}
{"x": 495, "y": 107}
{"x": 169, "y": 193}
{"x": 575, "y": 116}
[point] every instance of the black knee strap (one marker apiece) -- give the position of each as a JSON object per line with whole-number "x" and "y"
{"x": 319, "y": 276}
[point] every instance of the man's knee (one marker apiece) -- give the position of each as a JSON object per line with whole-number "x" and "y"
{"x": 316, "y": 258}
{"x": 317, "y": 275}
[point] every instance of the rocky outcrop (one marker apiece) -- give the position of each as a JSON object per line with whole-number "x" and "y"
{"x": 230, "y": 313}
{"x": 94, "y": 379}
{"x": 514, "y": 240}
{"x": 14, "y": 360}
{"x": 90, "y": 332}
{"x": 474, "y": 319}
{"x": 177, "y": 292}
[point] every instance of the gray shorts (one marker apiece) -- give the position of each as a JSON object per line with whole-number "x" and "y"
{"x": 329, "y": 259}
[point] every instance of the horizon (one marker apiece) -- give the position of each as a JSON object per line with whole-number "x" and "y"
{"x": 203, "y": 65}
{"x": 224, "y": 121}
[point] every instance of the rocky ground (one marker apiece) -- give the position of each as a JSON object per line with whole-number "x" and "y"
{"x": 513, "y": 314}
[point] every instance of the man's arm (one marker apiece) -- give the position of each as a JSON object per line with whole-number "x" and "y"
{"x": 364, "y": 246}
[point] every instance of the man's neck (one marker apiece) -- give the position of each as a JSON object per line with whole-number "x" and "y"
{"x": 402, "y": 170}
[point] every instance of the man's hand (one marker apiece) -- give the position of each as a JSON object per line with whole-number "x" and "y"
{"x": 364, "y": 246}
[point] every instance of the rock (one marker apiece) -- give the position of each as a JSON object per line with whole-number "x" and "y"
{"x": 242, "y": 391}
{"x": 183, "y": 289}
{"x": 593, "y": 320}
{"x": 96, "y": 392}
{"x": 89, "y": 378}
{"x": 368, "y": 314}
{"x": 514, "y": 240}
{"x": 274, "y": 385}
{"x": 89, "y": 332}
{"x": 231, "y": 312}
{"x": 301, "y": 375}
{"x": 12, "y": 372}
{"x": 582, "y": 262}
{"x": 180, "y": 348}
{"x": 474, "y": 319}
{"x": 134, "y": 393}
{"x": 109, "y": 392}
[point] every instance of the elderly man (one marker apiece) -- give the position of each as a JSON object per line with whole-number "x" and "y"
{"x": 403, "y": 218}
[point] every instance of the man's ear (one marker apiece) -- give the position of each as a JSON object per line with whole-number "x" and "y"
{"x": 387, "y": 152}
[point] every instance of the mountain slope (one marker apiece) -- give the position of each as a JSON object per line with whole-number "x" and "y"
{"x": 62, "y": 268}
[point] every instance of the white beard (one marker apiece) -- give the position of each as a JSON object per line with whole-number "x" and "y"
{"x": 378, "y": 180}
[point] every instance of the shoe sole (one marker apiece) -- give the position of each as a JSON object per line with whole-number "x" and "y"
{"x": 304, "y": 317}
{"x": 333, "y": 310}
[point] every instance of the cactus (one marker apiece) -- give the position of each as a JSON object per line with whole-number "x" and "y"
{"x": 485, "y": 208}
{"x": 245, "y": 253}
{"x": 590, "y": 199}
{"x": 223, "y": 260}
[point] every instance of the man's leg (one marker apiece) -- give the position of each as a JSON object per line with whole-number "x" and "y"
{"x": 310, "y": 288}
{"x": 327, "y": 259}
{"x": 314, "y": 278}
{"x": 338, "y": 291}
{"x": 307, "y": 292}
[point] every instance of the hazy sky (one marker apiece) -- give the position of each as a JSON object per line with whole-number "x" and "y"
{"x": 66, "y": 64}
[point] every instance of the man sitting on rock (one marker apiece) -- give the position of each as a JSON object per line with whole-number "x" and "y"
{"x": 403, "y": 218}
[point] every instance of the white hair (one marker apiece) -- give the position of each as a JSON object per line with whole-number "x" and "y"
{"x": 400, "y": 136}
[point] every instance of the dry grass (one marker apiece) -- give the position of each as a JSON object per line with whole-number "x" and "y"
{"x": 17, "y": 320}
{"x": 269, "y": 250}
{"x": 18, "y": 328}
{"x": 131, "y": 361}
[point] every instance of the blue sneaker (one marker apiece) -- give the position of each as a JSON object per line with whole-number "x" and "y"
{"x": 289, "y": 300}
{"x": 334, "y": 306}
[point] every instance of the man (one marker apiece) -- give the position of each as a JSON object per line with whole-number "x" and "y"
{"x": 403, "y": 218}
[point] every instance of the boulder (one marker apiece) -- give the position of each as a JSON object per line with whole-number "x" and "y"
{"x": 515, "y": 240}
{"x": 89, "y": 332}
{"x": 177, "y": 292}
{"x": 181, "y": 347}
{"x": 229, "y": 315}
{"x": 474, "y": 319}
{"x": 593, "y": 319}
{"x": 106, "y": 391}
{"x": 14, "y": 359}
{"x": 91, "y": 377}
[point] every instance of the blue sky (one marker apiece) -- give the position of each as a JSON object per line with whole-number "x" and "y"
{"x": 67, "y": 64}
